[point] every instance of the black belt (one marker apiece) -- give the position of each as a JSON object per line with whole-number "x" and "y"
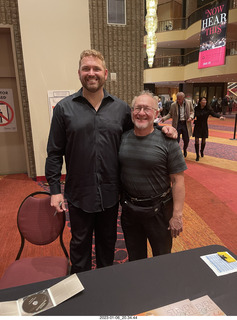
{"x": 143, "y": 202}
{"x": 182, "y": 121}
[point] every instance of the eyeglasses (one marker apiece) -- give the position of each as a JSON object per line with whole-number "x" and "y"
{"x": 145, "y": 109}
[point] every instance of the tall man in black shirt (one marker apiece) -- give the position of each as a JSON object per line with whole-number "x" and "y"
{"x": 86, "y": 128}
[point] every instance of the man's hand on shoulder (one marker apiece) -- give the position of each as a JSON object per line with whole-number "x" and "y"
{"x": 170, "y": 132}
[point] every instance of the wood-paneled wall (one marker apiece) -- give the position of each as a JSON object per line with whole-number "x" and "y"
{"x": 121, "y": 45}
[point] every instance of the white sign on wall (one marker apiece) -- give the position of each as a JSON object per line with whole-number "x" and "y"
{"x": 7, "y": 111}
{"x": 54, "y": 96}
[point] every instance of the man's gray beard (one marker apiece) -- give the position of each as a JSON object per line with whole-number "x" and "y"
{"x": 140, "y": 126}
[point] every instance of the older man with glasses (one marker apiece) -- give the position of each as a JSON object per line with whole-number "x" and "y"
{"x": 152, "y": 179}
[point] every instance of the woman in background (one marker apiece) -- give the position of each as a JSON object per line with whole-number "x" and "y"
{"x": 201, "y": 114}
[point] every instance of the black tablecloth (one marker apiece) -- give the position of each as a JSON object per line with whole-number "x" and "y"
{"x": 142, "y": 285}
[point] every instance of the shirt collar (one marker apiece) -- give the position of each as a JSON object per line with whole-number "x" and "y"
{"x": 183, "y": 104}
{"x": 79, "y": 95}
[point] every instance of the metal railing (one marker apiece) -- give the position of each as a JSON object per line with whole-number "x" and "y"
{"x": 183, "y": 60}
{"x": 184, "y": 23}
{"x": 173, "y": 61}
{"x": 231, "y": 48}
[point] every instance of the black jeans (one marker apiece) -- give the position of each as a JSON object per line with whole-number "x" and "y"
{"x": 83, "y": 224}
{"x": 138, "y": 231}
{"x": 182, "y": 129}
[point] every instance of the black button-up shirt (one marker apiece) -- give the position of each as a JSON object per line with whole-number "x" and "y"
{"x": 90, "y": 141}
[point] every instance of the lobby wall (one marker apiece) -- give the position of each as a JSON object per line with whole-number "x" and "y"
{"x": 121, "y": 45}
{"x": 49, "y": 36}
{"x": 53, "y": 35}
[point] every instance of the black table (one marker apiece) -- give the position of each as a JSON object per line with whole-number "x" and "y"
{"x": 135, "y": 287}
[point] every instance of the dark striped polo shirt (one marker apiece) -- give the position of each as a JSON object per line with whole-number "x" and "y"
{"x": 147, "y": 162}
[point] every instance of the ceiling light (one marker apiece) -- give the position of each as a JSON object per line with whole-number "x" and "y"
{"x": 151, "y": 27}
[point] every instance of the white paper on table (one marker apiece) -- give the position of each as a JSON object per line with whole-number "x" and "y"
{"x": 218, "y": 265}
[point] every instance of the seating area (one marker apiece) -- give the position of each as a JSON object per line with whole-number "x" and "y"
{"x": 38, "y": 224}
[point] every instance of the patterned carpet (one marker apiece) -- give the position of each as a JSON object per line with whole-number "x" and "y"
{"x": 211, "y": 186}
{"x": 120, "y": 249}
{"x": 210, "y": 210}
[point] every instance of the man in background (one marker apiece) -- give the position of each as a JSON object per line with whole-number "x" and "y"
{"x": 214, "y": 103}
{"x": 224, "y": 104}
{"x": 182, "y": 114}
{"x": 168, "y": 104}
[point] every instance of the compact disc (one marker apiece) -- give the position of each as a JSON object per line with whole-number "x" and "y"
{"x": 35, "y": 303}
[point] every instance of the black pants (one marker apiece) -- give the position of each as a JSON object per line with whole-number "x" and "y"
{"x": 182, "y": 129}
{"x": 137, "y": 231}
{"x": 104, "y": 225}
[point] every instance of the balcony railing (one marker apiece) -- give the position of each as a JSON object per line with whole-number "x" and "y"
{"x": 231, "y": 48}
{"x": 184, "y": 23}
{"x": 174, "y": 61}
{"x": 183, "y": 60}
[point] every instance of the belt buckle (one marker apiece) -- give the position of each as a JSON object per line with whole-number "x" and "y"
{"x": 135, "y": 199}
{"x": 165, "y": 193}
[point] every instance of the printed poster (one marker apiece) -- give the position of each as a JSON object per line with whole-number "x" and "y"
{"x": 213, "y": 35}
{"x": 54, "y": 96}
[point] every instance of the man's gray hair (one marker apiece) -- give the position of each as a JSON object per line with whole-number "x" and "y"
{"x": 148, "y": 93}
{"x": 180, "y": 94}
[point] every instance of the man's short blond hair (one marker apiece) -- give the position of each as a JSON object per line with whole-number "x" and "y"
{"x": 147, "y": 93}
{"x": 93, "y": 53}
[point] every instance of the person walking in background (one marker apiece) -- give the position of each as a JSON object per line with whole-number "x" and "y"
{"x": 168, "y": 104}
{"x": 214, "y": 104}
{"x": 224, "y": 104}
{"x": 182, "y": 114}
{"x": 160, "y": 106}
{"x": 86, "y": 128}
{"x": 150, "y": 165}
{"x": 231, "y": 102}
{"x": 218, "y": 105}
{"x": 195, "y": 103}
{"x": 202, "y": 112}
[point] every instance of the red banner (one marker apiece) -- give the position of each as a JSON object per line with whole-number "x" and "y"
{"x": 213, "y": 35}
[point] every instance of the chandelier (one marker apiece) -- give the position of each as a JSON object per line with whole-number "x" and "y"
{"x": 151, "y": 27}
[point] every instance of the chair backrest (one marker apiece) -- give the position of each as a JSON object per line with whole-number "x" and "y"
{"x": 37, "y": 221}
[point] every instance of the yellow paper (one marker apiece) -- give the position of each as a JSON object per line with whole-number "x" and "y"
{"x": 226, "y": 256}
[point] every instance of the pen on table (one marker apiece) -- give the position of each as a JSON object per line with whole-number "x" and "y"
{"x": 60, "y": 205}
